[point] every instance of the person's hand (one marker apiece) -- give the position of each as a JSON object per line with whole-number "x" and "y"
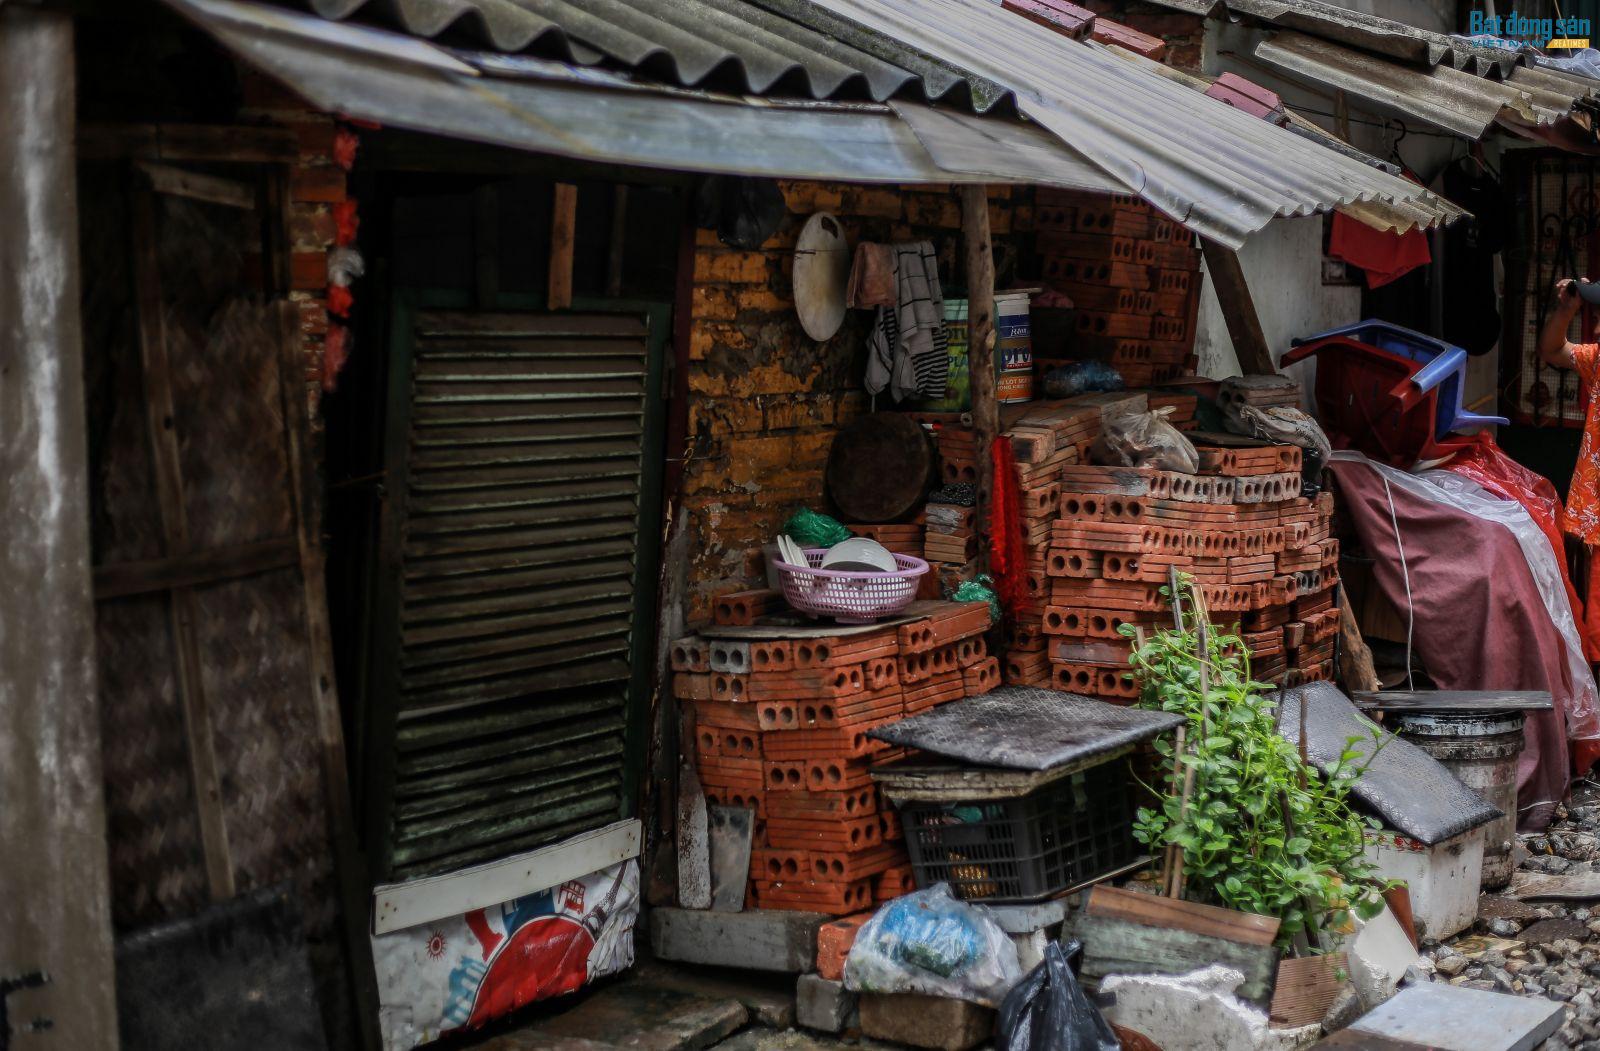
{"x": 1567, "y": 293}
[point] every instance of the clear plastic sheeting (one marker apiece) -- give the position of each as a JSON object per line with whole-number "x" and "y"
{"x": 1445, "y": 487}
{"x": 928, "y": 942}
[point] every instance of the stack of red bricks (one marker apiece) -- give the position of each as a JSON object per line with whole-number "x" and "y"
{"x": 781, "y": 726}
{"x": 1132, "y": 274}
{"x": 1260, "y": 553}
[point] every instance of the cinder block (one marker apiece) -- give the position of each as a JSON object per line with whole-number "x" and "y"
{"x": 760, "y": 939}
{"x": 820, "y": 1003}
{"x": 925, "y": 1021}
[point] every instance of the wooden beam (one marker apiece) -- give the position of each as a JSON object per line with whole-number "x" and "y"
{"x": 198, "y": 186}
{"x": 980, "y": 348}
{"x": 211, "y": 143}
{"x": 305, "y": 487}
{"x": 563, "y": 236}
{"x": 619, "y": 241}
{"x": 166, "y": 465}
{"x": 1238, "y": 309}
{"x": 122, "y": 579}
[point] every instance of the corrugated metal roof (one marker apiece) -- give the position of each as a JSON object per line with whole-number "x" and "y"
{"x": 1369, "y": 32}
{"x": 551, "y": 107}
{"x": 769, "y": 46}
{"x": 1221, "y": 172}
{"x": 1469, "y": 105}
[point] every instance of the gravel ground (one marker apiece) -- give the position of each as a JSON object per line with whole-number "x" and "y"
{"x": 1540, "y": 948}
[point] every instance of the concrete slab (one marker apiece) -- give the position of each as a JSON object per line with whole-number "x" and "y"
{"x": 925, "y": 1021}
{"x": 1454, "y": 1018}
{"x": 1574, "y": 884}
{"x": 825, "y": 1005}
{"x": 793, "y": 1040}
{"x": 1025, "y": 919}
{"x": 760, "y": 940}
{"x": 769, "y": 997}
{"x": 643, "y": 1016}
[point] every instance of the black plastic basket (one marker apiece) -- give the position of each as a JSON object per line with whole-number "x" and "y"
{"x": 1030, "y": 847}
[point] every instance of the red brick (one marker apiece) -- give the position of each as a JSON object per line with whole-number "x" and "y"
{"x": 833, "y": 944}
{"x": 324, "y": 185}
{"x": 803, "y": 198}
{"x": 882, "y": 202}
{"x": 730, "y": 267}
{"x": 308, "y": 270}
{"x": 713, "y": 301}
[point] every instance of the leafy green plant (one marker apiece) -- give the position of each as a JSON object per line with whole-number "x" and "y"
{"x": 1259, "y": 828}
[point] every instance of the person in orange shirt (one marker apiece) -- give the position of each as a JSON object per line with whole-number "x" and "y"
{"x": 1581, "y": 517}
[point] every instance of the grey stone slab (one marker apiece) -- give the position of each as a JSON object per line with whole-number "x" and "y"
{"x": 759, "y": 939}
{"x": 1412, "y": 791}
{"x": 925, "y": 1021}
{"x": 1452, "y": 1018}
{"x": 1572, "y": 885}
{"x": 1025, "y": 919}
{"x": 768, "y": 996}
{"x": 825, "y": 1005}
{"x": 1546, "y": 931}
{"x": 644, "y": 1016}
{"x": 1024, "y": 728}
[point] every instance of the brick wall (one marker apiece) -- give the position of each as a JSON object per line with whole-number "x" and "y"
{"x": 764, "y": 399}
{"x": 1183, "y": 33}
{"x": 317, "y": 187}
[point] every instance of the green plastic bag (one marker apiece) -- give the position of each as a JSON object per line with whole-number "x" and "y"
{"x": 810, "y": 528}
{"x": 978, "y": 590}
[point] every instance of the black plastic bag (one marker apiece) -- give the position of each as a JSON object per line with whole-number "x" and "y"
{"x": 743, "y": 210}
{"x": 1048, "y": 1011}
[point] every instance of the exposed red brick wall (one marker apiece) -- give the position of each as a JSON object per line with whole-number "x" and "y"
{"x": 765, "y": 399}
{"x": 1183, "y": 33}
{"x": 316, "y": 185}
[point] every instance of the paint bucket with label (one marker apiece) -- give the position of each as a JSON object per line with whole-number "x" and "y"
{"x": 1013, "y": 356}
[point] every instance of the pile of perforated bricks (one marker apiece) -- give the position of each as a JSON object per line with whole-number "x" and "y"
{"x": 1132, "y": 274}
{"x": 780, "y": 725}
{"x": 1259, "y": 553}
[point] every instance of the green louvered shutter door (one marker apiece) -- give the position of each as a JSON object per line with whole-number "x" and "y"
{"x": 514, "y": 554}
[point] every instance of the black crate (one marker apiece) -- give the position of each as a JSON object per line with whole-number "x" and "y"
{"x": 1030, "y": 847}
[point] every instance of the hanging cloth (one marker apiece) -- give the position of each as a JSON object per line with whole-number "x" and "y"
{"x": 1383, "y": 255}
{"x": 908, "y": 351}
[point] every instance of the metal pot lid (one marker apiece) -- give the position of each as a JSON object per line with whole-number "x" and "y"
{"x": 821, "y": 274}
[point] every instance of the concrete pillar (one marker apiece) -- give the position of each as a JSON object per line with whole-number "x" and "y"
{"x": 56, "y": 970}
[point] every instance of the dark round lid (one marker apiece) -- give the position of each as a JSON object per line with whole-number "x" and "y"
{"x": 880, "y": 468}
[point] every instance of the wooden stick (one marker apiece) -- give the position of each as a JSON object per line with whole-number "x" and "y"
{"x": 563, "y": 236}
{"x": 1238, "y": 309}
{"x": 980, "y": 345}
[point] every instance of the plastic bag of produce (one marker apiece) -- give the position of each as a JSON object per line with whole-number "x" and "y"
{"x": 929, "y": 942}
{"x": 1143, "y": 439}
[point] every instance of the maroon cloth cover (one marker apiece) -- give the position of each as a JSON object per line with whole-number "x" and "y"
{"x": 1480, "y": 623}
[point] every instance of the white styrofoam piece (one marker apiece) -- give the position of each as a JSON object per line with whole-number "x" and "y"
{"x": 1454, "y": 1018}
{"x": 396, "y": 906}
{"x": 1379, "y": 954}
{"x": 1444, "y": 880}
{"x": 1025, "y": 919}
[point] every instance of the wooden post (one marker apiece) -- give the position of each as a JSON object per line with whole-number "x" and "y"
{"x": 1238, "y": 309}
{"x": 980, "y": 347}
{"x": 563, "y": 234}
{"x": 56, "y": 965}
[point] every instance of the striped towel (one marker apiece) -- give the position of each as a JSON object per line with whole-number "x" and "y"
{"x": 908, "y": 351}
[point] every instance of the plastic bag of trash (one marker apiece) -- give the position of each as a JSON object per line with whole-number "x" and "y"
{"x": 928, "y": 942}
{"x": 1134, "y": 438}
{"x": 1081, "y": 377}
{"x": 810, "y": 528}
{"x": 1287, "y": 424}
{"x": 1048, "y": 1011}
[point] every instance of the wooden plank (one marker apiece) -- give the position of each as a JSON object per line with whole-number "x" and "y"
{"x": 397, "y": 906}
{"x": 198, "y": 186}
{"x": 305, "y": 488}
{"x": 1306, "y": 988}
{"x": 563, "y": 236}
{"x": 616, "y": 252}
{"x": 981, "y": 341}
{"x": 1209, "y": 920}
{"x": 122, "y": 579}
{"x": 215, "y": 143}
{"x": 1238, "y": 309}
{"x": 1453, "y": 700}
{"x": 167, "y": 468}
